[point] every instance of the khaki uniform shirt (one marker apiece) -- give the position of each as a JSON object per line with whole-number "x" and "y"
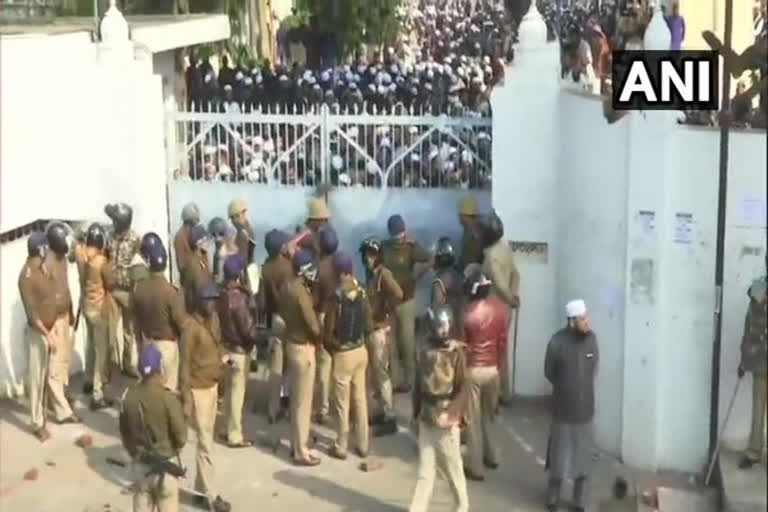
{"x": 201, "y": 353}
{"x": 274, "y": 274}
{"x": 182, "y": 251}
{"x": 96, "y": 277}
{"x": 58, "y": 269}
{"x": 197, "y": 274}
{"x": 122, "y": 250}
{"x": 439, "y": 380}
{"x": 38, "y": 293}
{"x": 297, "y": 310}
{"x": 384, "y": 294}
{"x": 157, "y": 307}
{"x": 499, "y": 266}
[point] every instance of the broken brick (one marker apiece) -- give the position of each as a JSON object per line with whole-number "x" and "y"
{"x": 84, "y": 441}
{"x": 371, "y": 464}
{"x": 31, "y": 474}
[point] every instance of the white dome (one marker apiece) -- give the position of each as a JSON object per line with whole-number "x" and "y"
{"x": 532, "y": 32}
{"x": 657, "y": 34}
{"x": 113, "y": 26}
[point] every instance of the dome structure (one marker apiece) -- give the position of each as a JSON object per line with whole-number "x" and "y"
{"x": 532, "y": 32}
{"x": 657, "y": 34}
{"x": 114, "y": 27}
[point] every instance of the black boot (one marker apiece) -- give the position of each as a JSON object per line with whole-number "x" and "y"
{"x": 87, "y": 388}
{"x": 220, "y": 505}
{"x": 387, "y": 428}
{"x": 746, "y": 462}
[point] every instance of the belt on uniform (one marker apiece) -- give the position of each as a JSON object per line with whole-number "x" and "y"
{"x": 433, "y": 399}
{"x": 237, "y": 349}
{"x": 350, "y": 346}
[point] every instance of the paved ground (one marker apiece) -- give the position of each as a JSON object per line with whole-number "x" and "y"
{"x": 80, "y": 480}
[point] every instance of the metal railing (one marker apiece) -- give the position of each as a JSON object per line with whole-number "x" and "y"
{"x": 21, "y": 11}
{"x": 372, "y": 148}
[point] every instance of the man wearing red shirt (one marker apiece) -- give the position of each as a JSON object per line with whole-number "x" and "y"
{"x": 486, "y": 319}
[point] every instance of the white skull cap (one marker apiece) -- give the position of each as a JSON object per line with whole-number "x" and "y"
{"x": 575, "y": 308}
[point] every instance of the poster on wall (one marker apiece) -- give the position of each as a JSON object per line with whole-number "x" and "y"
{"x": 646, "y": 221}
{"x": 752, "y": 213}
{"x": 530, "y": 252}
{"x": 683, "y": 228}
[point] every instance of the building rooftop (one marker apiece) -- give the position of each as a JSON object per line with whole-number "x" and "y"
{"x": 157, "y": 32}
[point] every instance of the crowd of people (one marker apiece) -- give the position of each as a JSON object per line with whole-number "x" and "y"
{"x": 338, "y": 345}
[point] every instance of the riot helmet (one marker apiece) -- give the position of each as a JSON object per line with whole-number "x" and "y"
{"x": 329, "y": 241}
{"x": 440, "y": 321}
{"x": 148, "y": 241}
{"x": 121, "y": 215}
{"x": 190, "y": 214}
{"x": 444, "y": 253}
{"x": 157, "y": 257}
{"x": 58, "y": 237}
{"x": 476, "y": 285}
{"x": 37, "y": 244}
{"x": 274, "y": 241}
{"x": 95, "y": 236}
{"x": 304, "y": 265}
{"x": 370, "y": 247}
{"x": 491, "y": 229}
{"x": 218, "y": 229}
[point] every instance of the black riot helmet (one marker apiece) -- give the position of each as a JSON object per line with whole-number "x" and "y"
{"x": 95, "y": 236}
{"x": 157, "y": 257}
{"x": 491, "y": 229}
{"x": 121, "y": 215}
{"x": 476, "y": 285}
{"x": 218, "y": 229}
{"x": 57, "y": 234}
{"x": 444, "y": 253}
{"x": 37, "y": 244}
{"x": 148, "y": 241}
{"x": 370, "y": 246}
{"x": 440, "y": 321}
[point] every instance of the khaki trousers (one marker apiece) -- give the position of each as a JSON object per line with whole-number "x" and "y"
{"x": 506, "y": 374}
{"x": 405, "y": 348}
{"x": 126, "y": 331}
{"x": 97, "y": 350}
{"x": 301, "y": 368}
{"x": 169, "y": 349}
{"x": 349, "y": 383}
{"x": 204, "y": 410}
{"x": 756, "y": 443}
{"x": 58, "y": 367}
{"x": 324, "y": 366}
{"x": 237, "y": 381}
{"x": 276, "y": 375}
{"x": 40, "y": 364}
{"x": 439, "y": 448}
{"x": 379, "y": 354}
{"x": 154, "y": 493}
{"x": 481, "y": 411}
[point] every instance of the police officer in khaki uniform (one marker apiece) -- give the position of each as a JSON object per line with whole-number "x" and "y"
{"x": 57, "y": 264}
{"x": 190, "y": 217}
{"x": 244, "y": 236}
{"x": 324, "y": 291}
{"x": 754, "y": 351}
{"x": 499, "y": 266}
{"x": 224, "y": 245}
{"x": 439, "y": 398}
{"x": 202, "y": 356}
{"x": 348, "y": 321}
{"x": 152, "y": 424}
{"x": 38, "y": 296}
{"x": 158, "y": 311}
{"x": 239, "y": 333}
{"x": 197, "y": 273}
{"x": 96, "y": 283}
{"x": 471, "y": 244}
{"x": 276, "y": 271}
{"x": 401, "y": 255}
{"x": 384, "y": 294}
{"x": 123, "y": 246}
{"x": 302, "y": 334}
{"x": 318, "y": 216}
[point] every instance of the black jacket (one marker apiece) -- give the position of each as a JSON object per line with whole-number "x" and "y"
{"x": 570, "y": 365}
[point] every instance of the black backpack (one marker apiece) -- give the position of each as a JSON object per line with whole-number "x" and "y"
{"x": 350, "y": 319}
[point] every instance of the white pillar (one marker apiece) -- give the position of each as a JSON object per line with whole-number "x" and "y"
{"x": 524, "y": 186}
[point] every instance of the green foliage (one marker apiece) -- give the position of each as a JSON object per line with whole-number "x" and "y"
{"x": 354, "y": 21}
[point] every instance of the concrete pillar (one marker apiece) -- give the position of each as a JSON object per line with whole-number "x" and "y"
{"x": 524, "y": 185}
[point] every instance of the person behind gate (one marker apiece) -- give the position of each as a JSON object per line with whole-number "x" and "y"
{"x": 348, "y": 321}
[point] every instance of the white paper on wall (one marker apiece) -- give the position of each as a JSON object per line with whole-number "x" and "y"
{"x": 683, "y": 228}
